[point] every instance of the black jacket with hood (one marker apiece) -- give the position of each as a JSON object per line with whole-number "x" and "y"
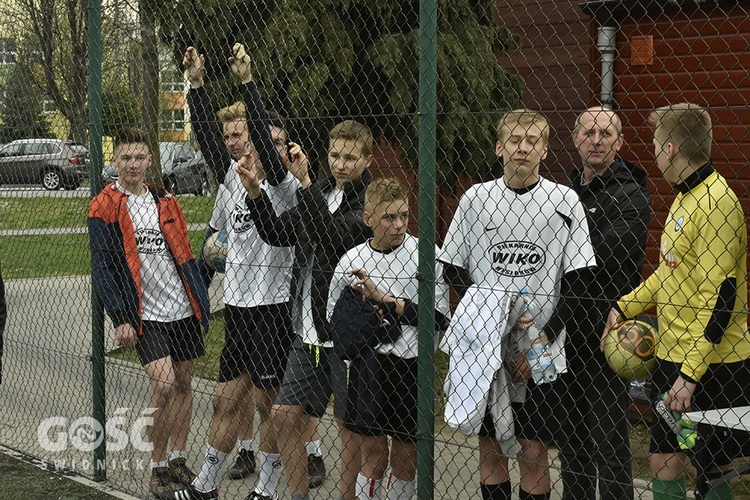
{"x": 314, "y": 231}
{"x": 618, "y": 211}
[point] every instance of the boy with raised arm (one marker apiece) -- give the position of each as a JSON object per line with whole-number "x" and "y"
{"x": 323, "y": 226}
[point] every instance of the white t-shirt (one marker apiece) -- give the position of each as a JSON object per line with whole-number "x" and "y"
{"x": 256, "y": 273}
{"x": 164, "y": 297}
{"x": 509, "y": 241}
{"x": 395, "y": 273}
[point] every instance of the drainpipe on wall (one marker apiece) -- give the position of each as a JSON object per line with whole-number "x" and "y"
{"x": 605, "y": 42}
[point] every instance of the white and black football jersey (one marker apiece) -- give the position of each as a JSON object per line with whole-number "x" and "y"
{"x": 512, "y": 240}
{"x": 256, "y": 273}
{"x": 394, "y": 272}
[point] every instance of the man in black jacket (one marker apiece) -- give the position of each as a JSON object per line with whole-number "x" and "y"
{"x": 594, "y": 398}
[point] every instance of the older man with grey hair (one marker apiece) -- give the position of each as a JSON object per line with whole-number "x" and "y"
{"x": 594, "y": 399}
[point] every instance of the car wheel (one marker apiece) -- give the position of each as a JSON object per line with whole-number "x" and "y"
{"x": 51, "y": 179}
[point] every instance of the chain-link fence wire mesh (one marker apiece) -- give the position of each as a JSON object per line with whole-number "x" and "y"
{"x": 316, "y": 64}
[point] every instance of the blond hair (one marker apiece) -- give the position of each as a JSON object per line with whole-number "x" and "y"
{"x": 525, "y": 117}
{"x": 231, "y": 113}
{"x": 687, "y": 125}
{"x": 384, "y": 190}
{"x": 356, "y": 131}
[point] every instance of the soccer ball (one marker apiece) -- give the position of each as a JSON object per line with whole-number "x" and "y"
{"x": 629, "y": 349}
{"x": 215, "y": 251}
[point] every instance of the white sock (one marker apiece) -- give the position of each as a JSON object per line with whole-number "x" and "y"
{"x": 175, "y": 454}
{"x": 154, "y": 465}
{"x": 245, "y": 444}
{"x": 398, "y": 489}
{"x": 270, "y": 473}
{"x": 368, "y": 488}
{"x": 313, "y": 448}
{"x": 211, "y": 469}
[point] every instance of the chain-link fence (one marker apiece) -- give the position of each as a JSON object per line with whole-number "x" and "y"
{"x": 360, "y": 182}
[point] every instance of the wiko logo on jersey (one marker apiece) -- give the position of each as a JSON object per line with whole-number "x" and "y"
{"x": 516, "y": 258}
{"x": 241, "y": 220}
{"x": 150, "y": 241}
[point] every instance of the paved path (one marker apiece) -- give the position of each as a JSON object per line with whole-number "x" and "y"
{"x": 47, "y": 373}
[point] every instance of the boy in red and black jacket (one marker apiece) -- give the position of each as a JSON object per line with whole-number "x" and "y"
{"x": 151, "y": 287}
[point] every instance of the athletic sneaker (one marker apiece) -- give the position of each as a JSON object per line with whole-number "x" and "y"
{"x": 179, "y": 472}
{"x": 163, "y": 488}
{"x": 254, "y": 495}
{"x": 201, "y": 495}
{"x": 243, "y": 466}
{"x": 316, "y": 471}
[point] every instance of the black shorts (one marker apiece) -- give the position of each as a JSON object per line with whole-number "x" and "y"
{"x": 257, "y": 341}
{"x": 182, "y": 340}
{"x": 398, "y": 385}
{"x": 534, "y": 419}
{"x": 722, "y": 386}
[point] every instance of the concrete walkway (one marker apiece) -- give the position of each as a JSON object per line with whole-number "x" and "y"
{"x": 47, "y": 374}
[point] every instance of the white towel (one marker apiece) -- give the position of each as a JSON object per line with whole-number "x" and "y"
{"x": 474, "y": 341}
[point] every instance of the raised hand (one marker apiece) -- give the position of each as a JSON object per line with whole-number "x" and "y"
{"x": 299, "y": 165}
{"x": 249, "y": 172}
{"x": 239, "y": 63}
{"x": 194, "y": 65}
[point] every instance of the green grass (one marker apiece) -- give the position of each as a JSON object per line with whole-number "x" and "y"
{"x": 29, "y": 481}
{"x": 45, "y": 256}
{"x": 51, "y": 212}
{"x": 55, "y": 255}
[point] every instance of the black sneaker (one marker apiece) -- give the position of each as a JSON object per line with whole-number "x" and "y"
{"x": 202, "y": 495}
{"x": 179, "y": 472}
{"x": 316, "y": 471}
{"x": 243, "y": 466}
{"x": 163, "y": 488}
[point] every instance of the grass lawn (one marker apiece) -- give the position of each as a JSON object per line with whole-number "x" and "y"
{"x": 54, "y": 255}
{"x": 50, "y": 212}
{"x": 24, "y": 480}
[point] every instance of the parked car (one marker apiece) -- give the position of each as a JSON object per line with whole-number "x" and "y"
{"x": 183, "y": 169}
{"x": 53, "y": 163}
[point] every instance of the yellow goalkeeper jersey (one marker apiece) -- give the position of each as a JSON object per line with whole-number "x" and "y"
{"x": 703, "y": 249}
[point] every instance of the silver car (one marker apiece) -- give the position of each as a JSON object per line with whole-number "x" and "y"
{"x": 183, "y": 169}
{"x": 53, "y": 163}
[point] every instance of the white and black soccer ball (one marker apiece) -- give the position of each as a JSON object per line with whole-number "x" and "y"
{"x": 215, "y": 251}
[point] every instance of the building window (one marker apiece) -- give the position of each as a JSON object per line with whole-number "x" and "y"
{"x": 7, "y": 51}
{"x": 173, "y": 81}
{"x": 172, "y": 119}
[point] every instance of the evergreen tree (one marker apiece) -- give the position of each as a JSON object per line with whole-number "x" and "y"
{"x": 320, "y": 61}
{"x": 21, "y": 111}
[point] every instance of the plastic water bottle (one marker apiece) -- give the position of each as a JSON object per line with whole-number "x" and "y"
{"x": 534, "y": 343}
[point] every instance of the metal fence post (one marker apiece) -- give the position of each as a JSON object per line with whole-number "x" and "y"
{"x": 97, "y": 309}
{"x": 427, "y": 182}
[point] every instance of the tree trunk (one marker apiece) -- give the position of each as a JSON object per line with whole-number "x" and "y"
{"x": 148, "y": 12}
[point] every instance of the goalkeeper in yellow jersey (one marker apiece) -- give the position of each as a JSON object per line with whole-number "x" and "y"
{"x": 700, "y": 292}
